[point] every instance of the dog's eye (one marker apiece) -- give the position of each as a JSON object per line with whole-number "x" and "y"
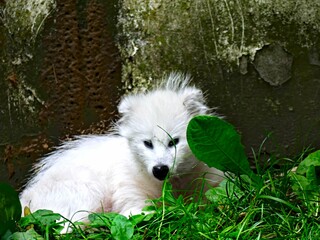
{"x": 173, "y": 142}
{"x": 148, "y": 144}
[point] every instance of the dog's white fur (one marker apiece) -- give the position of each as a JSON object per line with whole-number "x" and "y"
{"x": 114, "y": 172}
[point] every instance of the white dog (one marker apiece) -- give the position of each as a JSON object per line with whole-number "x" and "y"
{"x": 119, "y": 171}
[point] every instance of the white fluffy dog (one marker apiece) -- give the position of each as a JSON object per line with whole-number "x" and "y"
{"x": 119, "y": 171}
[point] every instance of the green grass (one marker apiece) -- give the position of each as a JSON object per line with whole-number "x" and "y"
{"x": 271, "y": 203}
{"x": 235, "y": 210}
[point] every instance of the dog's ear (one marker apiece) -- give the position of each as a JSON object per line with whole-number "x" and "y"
{"x": 194, "y": 101}
{"x": 125, "y": 108}
{"x": 125, "y": 105}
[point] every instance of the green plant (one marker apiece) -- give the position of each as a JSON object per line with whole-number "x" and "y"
{"x": 115, "y": 225}
{"x": 10, "y": 210}
{"x": 306, "y": 182}
{"x": 277, "y": 203}
{"x": 216, "y": 142}
{"x": 44, "y": 221}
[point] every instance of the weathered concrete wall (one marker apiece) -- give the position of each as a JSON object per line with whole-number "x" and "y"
{"x": 60, "y": 69}
{"x": 258, "y": 61}
{"x": 60, "y": 76}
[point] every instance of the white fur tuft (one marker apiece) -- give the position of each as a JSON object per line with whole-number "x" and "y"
{"x": 175, "y": 81}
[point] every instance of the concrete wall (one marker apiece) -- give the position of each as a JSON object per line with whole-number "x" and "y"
{"x": 257, "y": 60}
{"x": 60, "y": 75}
{"x": 60, "y": 68}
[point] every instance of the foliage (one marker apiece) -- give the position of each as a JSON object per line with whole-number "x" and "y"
{"x": 216, "y": 142}
{"x": 10, "y": 209}
{"x": 306, "y": 181}
{"x": 43, "y": 221}
{"x": 29, "y": 234}
{"x": 284, "y": 207}
{"x": 118, "y": 227}
{"x": 234, "y": 210}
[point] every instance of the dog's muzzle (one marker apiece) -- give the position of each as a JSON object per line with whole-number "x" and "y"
{"x": 160, "y": 171}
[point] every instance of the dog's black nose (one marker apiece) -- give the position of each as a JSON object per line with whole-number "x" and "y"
{"x": 160, "y": 171}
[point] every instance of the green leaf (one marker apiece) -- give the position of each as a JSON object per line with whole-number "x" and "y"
{"x": 40, "y": 217}
{"x": 10, "y": 208}
{"x": 309, "y": 167}
{"x": 307, "y": 177}
{"x": 30, "y": 234}
{"x": 139, "y": 218}
{"x": 216, "y": 142}
{"x": 101, "y": 219}
{"x": 224, "y": 192}
{"x": 218, "y": 194}
{"x": 121, "y": 228}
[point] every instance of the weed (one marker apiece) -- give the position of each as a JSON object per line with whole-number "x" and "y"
{"x": 275, "y": 203}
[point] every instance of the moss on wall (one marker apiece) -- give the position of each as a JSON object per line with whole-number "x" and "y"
{"x": 257, "y": 59}
{"x": 157, "y": 36}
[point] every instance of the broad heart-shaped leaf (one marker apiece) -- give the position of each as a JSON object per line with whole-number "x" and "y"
{"x": 216, "y": 142}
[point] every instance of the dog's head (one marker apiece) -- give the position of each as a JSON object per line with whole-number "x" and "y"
{"x": 155, "y": 125}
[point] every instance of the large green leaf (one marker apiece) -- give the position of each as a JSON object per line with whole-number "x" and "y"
{"x": 216, "y": 142}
